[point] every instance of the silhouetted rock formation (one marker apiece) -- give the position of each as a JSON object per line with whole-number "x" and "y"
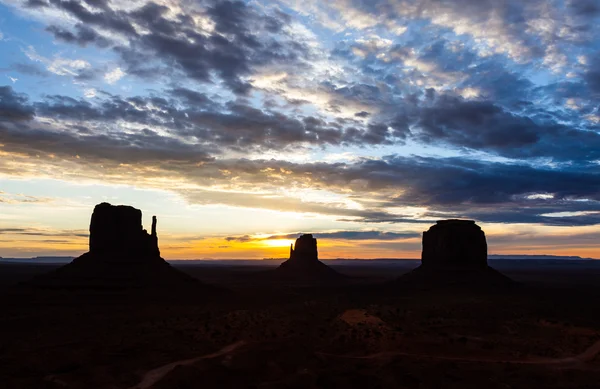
{"x": 116, "y": 231}
{"x": 454, "y": 243}
{"x": 122, "y": 256}
{"x": 305, "y": 249}
{"x": 304, "y": 261}
{"x": 454, "y": 253}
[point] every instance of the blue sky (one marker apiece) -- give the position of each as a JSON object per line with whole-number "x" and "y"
{"x": 240, "y": 123}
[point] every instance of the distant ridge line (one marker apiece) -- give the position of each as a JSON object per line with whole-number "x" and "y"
{"x": 64, "y": 259}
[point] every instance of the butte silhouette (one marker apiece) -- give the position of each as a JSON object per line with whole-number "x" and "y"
{"x": 304, "y": 262}
{"x": 122, "y": 256}
{"x": 454, "y": 254}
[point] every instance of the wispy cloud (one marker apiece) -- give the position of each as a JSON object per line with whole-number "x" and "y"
{"x": 17, "y": 198}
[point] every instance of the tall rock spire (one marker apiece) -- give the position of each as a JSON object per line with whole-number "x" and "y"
{"x": 153, "y": 226}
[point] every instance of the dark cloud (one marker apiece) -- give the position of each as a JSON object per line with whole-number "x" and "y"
{"x": 584, "y": 8}
{"x": 505, "y": 121}
{"x": 36, "y": 3}
{"x": 22, "y": 135}
{"x": 449, "y": 57}
{"x": 486, "y": 126}
{"x": 191, "y": 98}
{"x": 340, "y": 235}
{"x": 82, "y": 36}
{"x": 476, "y": 124}
{"x": 248, "y": 42}
{"x": 102, "y": 148}
{"x": 201, "y": 121}
{"x": 353, "y": 235}
{"x": 497, "y": 83}
{"x": 14, "y": 106}
{"x": 242, "y": 39}
{"x": 455, "y": 181}
{"x": 243, "y": 238}
{"x": 508, "y": 115}
{"x": 592, "y": 75}
{"x": 506, "y": 24}
{"x": 107, "y": 19}
{"x": 450, "y": 187}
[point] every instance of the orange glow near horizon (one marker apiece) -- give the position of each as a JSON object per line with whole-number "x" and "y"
{"x": 278, "y": 242}
{"x": 174, "y": 247}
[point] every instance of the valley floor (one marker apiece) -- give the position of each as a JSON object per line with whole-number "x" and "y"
{"x": 543, "y": 334}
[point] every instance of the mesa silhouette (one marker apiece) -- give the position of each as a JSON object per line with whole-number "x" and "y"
{"x": 122, "y": 255}
{"x": 454, "y": 254}
{"x": 304, "y": 263}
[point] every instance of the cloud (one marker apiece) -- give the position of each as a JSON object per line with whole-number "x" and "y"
{"x": 454, "y": 187}
{"x": 476, "y": 124}
{"x": 87, "y": 133}
{"x": 14, "y": 107}
{"x": 90, "y": 93}
{"x": 335, "y": 235}
{"x": 19, "y": 134}
{"x": 58, "y": 65}
{"x": 114, "y": 75}
{"x": 43, "y": 232}
{"x": 243, "y": 238}
{"x": 224, "y": 38}
{"x": 82, "y": 36}
{"x": 17, "y": 198}
{"x": 442, "y": 187}
{"x": 234, "y": 81}
{"x": 281, "y": 203}
{"x": 353, "y": 235}
{"x": 202, "y": 122}
{"x": 563, "y": 239}
{"x": 483, "y": 125}
{"x": 29, "y": 69}
{"x": 235, "y": 40}
{"x": 592, "y": 75}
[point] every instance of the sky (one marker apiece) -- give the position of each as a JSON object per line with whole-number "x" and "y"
{"x": 241, "y": 124}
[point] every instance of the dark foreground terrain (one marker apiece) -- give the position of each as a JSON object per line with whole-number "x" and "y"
{"x": 545, "y": 333}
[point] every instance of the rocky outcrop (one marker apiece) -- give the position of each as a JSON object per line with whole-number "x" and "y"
{"x": 304, "y": 261}
{"x": 116, "y": 230}
{"x": 122, "y": 255}
{"x": 454, "y": 243}
{"x": 305, "y": 249}
{"x": 454, "y": 254}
